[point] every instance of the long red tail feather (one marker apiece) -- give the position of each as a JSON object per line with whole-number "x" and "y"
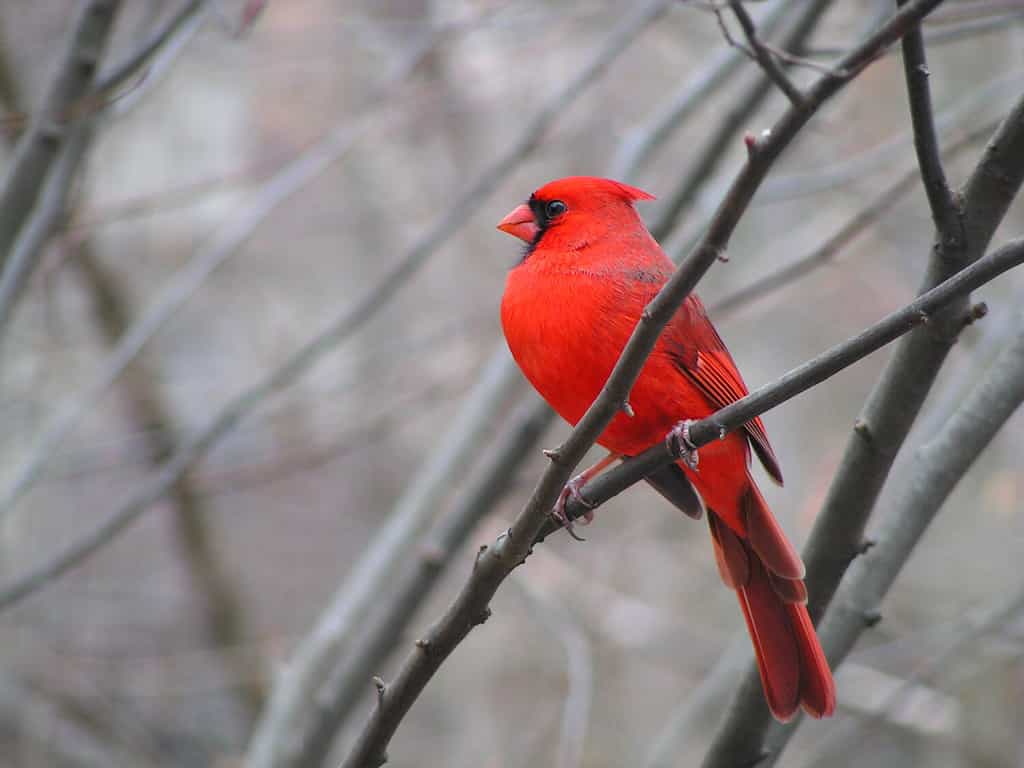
{"x": 794, "y": 671}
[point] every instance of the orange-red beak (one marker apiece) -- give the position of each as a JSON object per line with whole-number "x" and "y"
{"x": 520, "y": 223}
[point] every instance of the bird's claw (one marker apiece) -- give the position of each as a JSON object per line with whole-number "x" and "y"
{"x": 681, "y": 446}
{"x": 572, "y": 490}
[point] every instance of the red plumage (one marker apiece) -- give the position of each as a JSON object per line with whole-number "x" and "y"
{"x": 569, "y": 307}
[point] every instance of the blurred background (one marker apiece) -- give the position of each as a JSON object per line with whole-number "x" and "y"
{"x": 261, "y": 177}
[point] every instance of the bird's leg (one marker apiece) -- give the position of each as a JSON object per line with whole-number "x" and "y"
{"x": 680, "y": 445}
{"x": 572, "y": 490}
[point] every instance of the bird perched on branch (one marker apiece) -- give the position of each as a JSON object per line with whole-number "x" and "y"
{"x": 588, "y": 270}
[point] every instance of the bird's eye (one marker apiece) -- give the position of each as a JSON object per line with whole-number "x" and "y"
{"x": 555, "y": 208}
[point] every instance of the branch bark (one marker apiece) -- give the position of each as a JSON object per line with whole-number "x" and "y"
{"x": 495, "y": 563}
{"x": 750, "y": 98}
{"x": 837, "y": 536}
{"x": 40, "y": 144}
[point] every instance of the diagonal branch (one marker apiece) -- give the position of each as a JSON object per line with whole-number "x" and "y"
{"x": 638, "y": 144}
{"x": 225, "y": 244}
{"x": 761, "y": 54}
{"x": 110, "y": 79}
{"x": 494, "y": 564}
{"x": 39, "y": 146}
{"x": 941, "y": 200}
{"x": 720, "y": 141}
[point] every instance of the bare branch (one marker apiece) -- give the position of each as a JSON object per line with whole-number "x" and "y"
{"x": 827, "y": 251}
{"x": 495, "y": 563}
{"x": 937, "y": 469}
{"x": 836, "y": 539}
{"x": 222, "y": 615}
{"x": 111, "y": 79}
{"x": 41, "y": 223}
{"x": 640, "y": 142}
{"x": 761, "y": 54}
{"x": 943, "y": 204}
{"x": 38, "y": 147}
{"x": 558, "y": 618}
{"x": 225, "y": 244}
{"x": 317, "y": 688}
{"x": 720, "y": 140}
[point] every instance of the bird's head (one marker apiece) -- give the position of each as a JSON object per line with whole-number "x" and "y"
{"x": 572, "y": 212}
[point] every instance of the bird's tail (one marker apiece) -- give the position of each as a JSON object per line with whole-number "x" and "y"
{"x": 767, "y": 575}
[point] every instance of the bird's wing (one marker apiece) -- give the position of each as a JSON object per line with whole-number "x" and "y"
{"x": 708, "y": 364}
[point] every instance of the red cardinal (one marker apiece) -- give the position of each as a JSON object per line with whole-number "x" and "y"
{"x": 588, "y": 270}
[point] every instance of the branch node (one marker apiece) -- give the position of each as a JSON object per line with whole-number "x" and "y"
{"x": 923, "y": 69}
{"x": 871, "y": 618}
{"x": 479, "y": 554}
{"x": 975, "y": 313}
{"x": 646, "y": 316}
{"x": 554, "y": 454}
{"x": 750, "y": 142}
{"x": 423, "y": 644}
{"x": 481, "y": 617}
{"x": 923, "y": 318}
{"x": 628, "y": 409}
{"x": 382, "y": 689}
{"x": 861, "y": 428}
{"x": 865, "y": 546}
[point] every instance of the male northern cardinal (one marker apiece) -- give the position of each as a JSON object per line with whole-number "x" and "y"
{"x": 588, "y": 270}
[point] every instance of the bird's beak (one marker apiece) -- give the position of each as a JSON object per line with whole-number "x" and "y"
{"x": 520, "y": 223}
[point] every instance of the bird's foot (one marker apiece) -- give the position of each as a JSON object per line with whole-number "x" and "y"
{"x": 572, "y": 490}
{"x": 681, "y": 446}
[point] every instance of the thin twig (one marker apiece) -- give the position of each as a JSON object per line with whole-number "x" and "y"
{"x": 316, "y": 690}
{"x": 494, "y": 564}
{"x": 828, "y": 250}
{"x": 221, "y": 607}
{"x": 761, "y": 54}
{"x": 39, "y": 146}
{"x": 939, "y": 465}
{"x": 640, "y": 142}
{"x": 110, "y": 79}
{"x": 941, "y": 200}
{"x": 225, "y": 244}
{"x": 723, "y": 137}
{"x": 579, "y": 657}
{"x": 42, "y": 222}
{"x": 836, "y": 539}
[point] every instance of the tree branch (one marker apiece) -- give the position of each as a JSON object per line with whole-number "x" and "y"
{"x": 941, "y": 201}
{"x": 39, "y": 146}
{"x": 720, "y": 140}
{"x": 827, "y": 251}
{"x": 495, "y": 563}
{"x": 110, "y": 79}
{"x": 221, "y": 608}
{"x": 225, "y": 244}
{"x": 837, "y": 536}
{"x": 638, "y": 144}
{"x": 41, "y": 222}
{"x": 313, "y": 693}
{"x": 760, "y": 53}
